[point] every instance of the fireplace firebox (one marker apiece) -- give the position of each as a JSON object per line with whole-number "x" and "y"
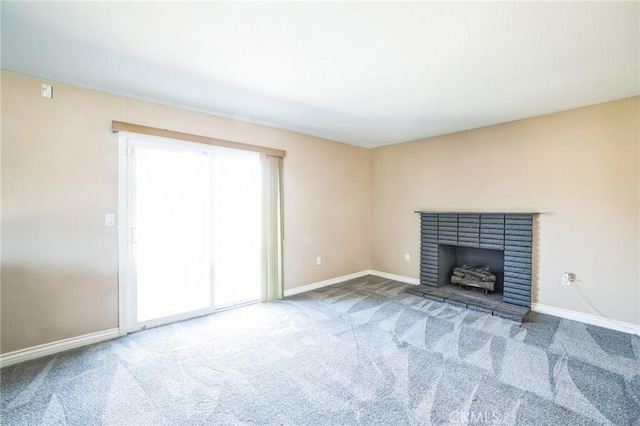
{"x": 451, "y": 257}
{"x": 500, "y": 241}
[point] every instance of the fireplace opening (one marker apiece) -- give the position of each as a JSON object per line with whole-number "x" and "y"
{"x": 451, "y": 257}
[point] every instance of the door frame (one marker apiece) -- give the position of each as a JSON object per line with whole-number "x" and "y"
{"x": 124, "y": 234}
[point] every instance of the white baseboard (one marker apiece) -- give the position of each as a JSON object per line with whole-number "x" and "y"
{"x": 332, "y": 281}
{"x": 406, "y": 280}
{"x": 34, "y": 352}
{"x": 612, "y": 324}
{"x": 314, "y": 286}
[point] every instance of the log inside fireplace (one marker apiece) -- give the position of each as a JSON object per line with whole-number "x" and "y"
{"x": 476, "y": 277}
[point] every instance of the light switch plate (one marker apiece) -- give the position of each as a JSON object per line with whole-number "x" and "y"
{"x": 46, "y": 91}
{"x": 109, "y": 219}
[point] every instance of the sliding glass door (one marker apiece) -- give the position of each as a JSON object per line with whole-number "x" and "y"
{"x": 195, "y": 223}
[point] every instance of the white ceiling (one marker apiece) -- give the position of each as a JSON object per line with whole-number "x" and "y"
{"x": 367, "y": 74}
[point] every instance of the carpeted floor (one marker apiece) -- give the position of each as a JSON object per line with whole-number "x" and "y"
{"x": 360, "y": 352}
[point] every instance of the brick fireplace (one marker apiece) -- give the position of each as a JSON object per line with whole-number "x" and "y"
{"x": 500, "y": 241}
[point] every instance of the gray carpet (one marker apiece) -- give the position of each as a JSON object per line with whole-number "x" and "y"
{"x": 360, "y": 352}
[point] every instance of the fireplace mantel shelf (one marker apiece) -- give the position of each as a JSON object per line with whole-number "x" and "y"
{"x": 474, "y": 212}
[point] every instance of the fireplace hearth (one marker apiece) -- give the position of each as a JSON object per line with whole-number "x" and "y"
{"x": 500, "y": 241}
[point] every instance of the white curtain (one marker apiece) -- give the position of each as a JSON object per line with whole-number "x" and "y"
{"x": 272, "y": 288}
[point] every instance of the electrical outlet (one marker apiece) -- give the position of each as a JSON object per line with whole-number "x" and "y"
{"x": 318, "y": 260}
{"x": 567, "y": 279}
{"x": 407, "y": 257}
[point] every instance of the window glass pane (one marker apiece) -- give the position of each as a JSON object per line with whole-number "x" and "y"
{"x": 172, "y": 235}
{"x": 237, "y": 216}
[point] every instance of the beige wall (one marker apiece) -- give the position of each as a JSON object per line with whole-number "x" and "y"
{"x": 352, "y": 206}
{"x": 59, "y": 178}
{"x": 579, "y": 168}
